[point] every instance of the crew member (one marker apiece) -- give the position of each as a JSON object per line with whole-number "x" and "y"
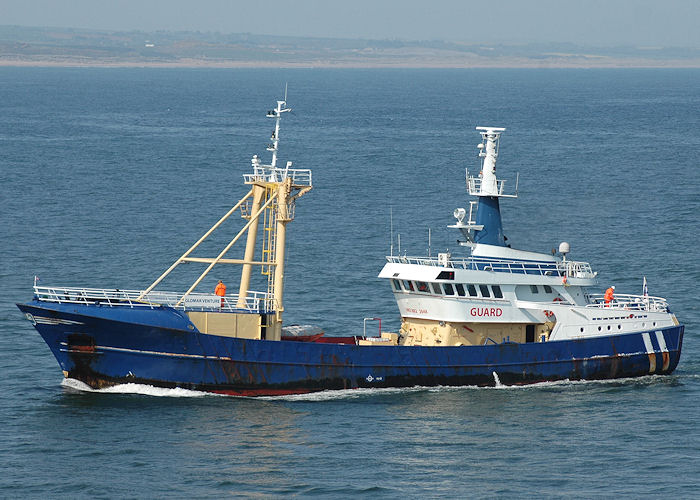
{"x": 609, "y": 295}
{"x": 220, "y": 290}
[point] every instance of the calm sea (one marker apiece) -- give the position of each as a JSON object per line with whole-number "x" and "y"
{"x": 108, "y": 175}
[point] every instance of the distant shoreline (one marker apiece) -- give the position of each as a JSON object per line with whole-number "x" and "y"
{"x": 66, "y": 47}
{"x": 195, "y": 64}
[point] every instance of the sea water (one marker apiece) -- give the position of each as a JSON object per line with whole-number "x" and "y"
{"x": 108, "y": 175}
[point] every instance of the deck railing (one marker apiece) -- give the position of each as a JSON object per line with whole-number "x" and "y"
{"x": 474, "y": 185}
{"x": 572, "y": 269}
{"x": 629, "y": 302}
{"x": 299, "y": 176}
{"x": 257, "y": 302}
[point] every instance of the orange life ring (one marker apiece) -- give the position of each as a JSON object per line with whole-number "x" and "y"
{"x": 557, "y": 299}
{"x": 549, "y": 314}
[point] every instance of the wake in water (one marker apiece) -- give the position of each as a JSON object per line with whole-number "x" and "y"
{"x": 149, "y": 390}
{"x": 559, "y": 384}
{"x": 144, "y": 390}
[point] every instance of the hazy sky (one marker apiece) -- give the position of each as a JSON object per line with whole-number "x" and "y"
{"x": 591, "y": 22}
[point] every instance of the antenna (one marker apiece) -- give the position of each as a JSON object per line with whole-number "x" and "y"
{"x": 275, "y": 138}
{"x": 429, "y": 245}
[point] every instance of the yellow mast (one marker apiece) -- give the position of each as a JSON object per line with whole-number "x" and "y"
{"x": 280, "y": 246}
{"x": 273, "y": 194}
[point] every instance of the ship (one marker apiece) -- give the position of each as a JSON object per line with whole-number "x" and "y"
{"x": 494, "y": 315}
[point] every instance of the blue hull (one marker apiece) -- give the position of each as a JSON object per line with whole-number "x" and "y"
{"x": 104, "y": 346}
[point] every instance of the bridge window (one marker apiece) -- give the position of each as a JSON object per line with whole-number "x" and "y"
{"x": 448, "y": 289}
{"x": 497, "y": 291}
{"x": 396, "y": 285}
{"x": 422, "y": 287}
{"x": 533, "y": 289}
{"x": 437, "y": 288}
{"x": 407, "y": 285}
{"x": 460, "y": 289}
{"x": 472, "y": 290}
{"x": 547, "y": 289}
{"x": 484, "y": 290}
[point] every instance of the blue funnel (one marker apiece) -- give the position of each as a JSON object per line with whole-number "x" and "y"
{"x": 488, "y": 214}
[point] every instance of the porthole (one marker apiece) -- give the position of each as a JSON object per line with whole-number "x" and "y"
{"x": 581, "y": 329}
{"x": 600, "y": 328}
{"x": 654, "y": 323}
{"x": 619, "y": 327}
{"x": 608, "y": 327}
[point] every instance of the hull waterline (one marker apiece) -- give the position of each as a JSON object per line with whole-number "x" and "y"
{"x": 100, "y": 351}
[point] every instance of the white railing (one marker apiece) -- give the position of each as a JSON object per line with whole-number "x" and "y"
{"x": 573, "y": 269}
{"x": 300, "y": 177}
{"x": 629, "y": 302}
{"x": 474, "y": 185}
{"x": 576, "y": 269}
{"x": 254, "y": 301}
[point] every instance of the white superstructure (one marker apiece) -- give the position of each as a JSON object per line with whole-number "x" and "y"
{"x": 500, "y": 294}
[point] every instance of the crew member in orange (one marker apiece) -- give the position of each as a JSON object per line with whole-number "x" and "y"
{"x": 220, "y": 290}
{"x": 609, "y": 295}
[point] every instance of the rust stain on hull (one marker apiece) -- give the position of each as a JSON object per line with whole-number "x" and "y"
{"x": 652, "y": 362}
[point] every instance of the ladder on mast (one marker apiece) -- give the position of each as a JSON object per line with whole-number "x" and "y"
{"x": 269, "y": 244}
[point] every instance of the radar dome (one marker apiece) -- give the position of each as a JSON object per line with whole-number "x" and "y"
{"x": 564, "y": 248}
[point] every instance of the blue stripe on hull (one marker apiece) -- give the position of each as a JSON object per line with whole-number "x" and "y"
{"x": 102, "y": 351}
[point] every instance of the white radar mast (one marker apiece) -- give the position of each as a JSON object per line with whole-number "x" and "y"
{"x": 490, "y": 142}
{"x": 485, "y": 185}
{"x": 277, "y": 114}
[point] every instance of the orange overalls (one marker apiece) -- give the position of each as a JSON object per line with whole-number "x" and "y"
{"x": 609, "y": 295}
{"x": 220, "y": 290}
